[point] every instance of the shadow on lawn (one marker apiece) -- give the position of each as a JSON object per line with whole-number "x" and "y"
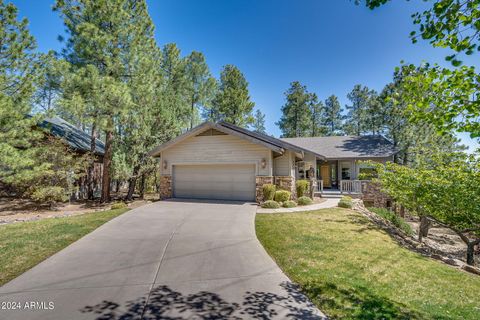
{"x": 361, "y": 302}
{"x": 166, "y": 303}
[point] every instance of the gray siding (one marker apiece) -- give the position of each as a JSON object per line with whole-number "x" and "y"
{"x": 281, "y": 165}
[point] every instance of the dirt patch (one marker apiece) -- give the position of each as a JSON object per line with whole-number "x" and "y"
{"x": 441, "y": 244}
{"x": 21, "y": 210}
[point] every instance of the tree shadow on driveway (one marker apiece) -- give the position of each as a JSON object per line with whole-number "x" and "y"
{"x": 166, "y": 303}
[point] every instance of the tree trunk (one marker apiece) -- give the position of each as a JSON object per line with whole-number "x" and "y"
{"x": 91, "y": 165}
{"x": 132, "y": 182}
{"x": 107, "y": 162}
{"x": 402, "y": 211}
{"x": 471, "y": 253}
{"x": 142, "y": 186}
{"x": 425, "y": 224}
{"x": 117, "y": 186}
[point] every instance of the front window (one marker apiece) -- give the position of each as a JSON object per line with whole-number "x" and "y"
{"x": 345, "y": 173}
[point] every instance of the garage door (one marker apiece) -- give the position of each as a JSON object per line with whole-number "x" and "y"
{"x": 223, "y": 182}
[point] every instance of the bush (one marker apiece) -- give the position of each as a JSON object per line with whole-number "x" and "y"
{"x": 345, "y": 202}
{"x": 282, "y": 195}
{"x": 397, "y": 221}
{"x": 289, "y": 204}
{"x": 268, "y": 191}
{"x": 49, "y": 194}
{"x": 270, "y": 204}
{"x": 302, "y": 187}
{"x": 303, "y": 201}
{"x": 118, "y": 205}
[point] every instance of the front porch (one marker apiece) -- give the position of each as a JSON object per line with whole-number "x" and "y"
{"x": 345, "y": 187}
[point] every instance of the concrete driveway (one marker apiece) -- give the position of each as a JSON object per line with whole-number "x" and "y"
{"x": 166, "y": 260}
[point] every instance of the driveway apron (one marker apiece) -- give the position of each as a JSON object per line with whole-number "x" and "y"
{"x": 179, "y": 259}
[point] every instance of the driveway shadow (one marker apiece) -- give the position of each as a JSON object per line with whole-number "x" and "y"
{"x": 166, "y": 303}
{"x": 211, "y": 201}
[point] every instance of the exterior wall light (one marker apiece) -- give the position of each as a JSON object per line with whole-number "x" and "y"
{"x": 165, "y": 164}
{"x": 263, "y": 163}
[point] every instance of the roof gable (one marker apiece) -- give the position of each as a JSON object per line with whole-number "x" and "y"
{"x": 271, "y": 143}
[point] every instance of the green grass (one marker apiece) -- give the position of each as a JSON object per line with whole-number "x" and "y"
{"x": 352, "y": 270}
{"x": 24, "y": 245}
{"x": 397, "y": 221}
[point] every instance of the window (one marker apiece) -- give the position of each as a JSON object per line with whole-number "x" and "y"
{"x": 346, "y": 170}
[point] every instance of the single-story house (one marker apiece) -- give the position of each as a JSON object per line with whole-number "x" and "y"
{"x": 224, "y": 161}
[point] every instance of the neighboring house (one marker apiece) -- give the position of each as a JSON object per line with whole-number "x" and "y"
{"x": 78, "y": 141}
{"x": 223, "y": 161}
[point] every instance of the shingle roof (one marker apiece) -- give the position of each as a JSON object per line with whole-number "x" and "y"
{"x": 76, "y": 138}
{"x": 341, "y": 147}
{"x": 272, "y": 140}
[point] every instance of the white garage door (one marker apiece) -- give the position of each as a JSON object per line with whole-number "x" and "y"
{"x": 223, "y": 182}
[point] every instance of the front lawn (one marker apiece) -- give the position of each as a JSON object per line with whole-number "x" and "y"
{"x": 352, "y": 270}
{"x": 23, "y": 245}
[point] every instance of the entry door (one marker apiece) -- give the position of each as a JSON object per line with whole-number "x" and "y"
{"x": 223, "y": 182}
{"x": 325, "y": 173}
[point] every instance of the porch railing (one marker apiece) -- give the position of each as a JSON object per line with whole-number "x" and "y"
{"x": 351, "y": 186}
{"x": 319, "y": 186}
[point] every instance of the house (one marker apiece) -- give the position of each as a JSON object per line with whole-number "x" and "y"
{"x": 79, "y": 142}
{"x": 223, "y": 161}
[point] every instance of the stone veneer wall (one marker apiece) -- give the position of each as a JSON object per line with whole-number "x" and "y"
{"x": 286, "y": 183}
{"x": 166, "y": 186}
{"x": 372, "y": 193}
{"x": 259, "y": 182}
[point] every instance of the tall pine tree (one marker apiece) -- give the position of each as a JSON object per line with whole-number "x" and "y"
{"x": 316, "y": 116}
{"x": 258, "y": 124}
{"x": 200, "y": 85}
{"x": 109, "y": 37}
{"x": 232, "y": 102}
{"x": 356, "y": 119}
{"x": 296, "y": 114}
{"x": 333, "y": 117}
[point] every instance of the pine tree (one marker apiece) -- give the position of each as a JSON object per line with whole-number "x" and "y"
{"x": 32, "y": 163}
{"x": 333, "y": 117}
{"x": 232, "y": 101}
{"x": 258, "y": 124}
{"x": 316, "y": 115}
{"x": 357, "y": 112}
{"x": 296, "y": 115}
{"x": 110, "y": 38}
{"x": 200, "y": 85}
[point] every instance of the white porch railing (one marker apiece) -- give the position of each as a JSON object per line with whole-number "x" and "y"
{"x": 319, "y": 186}
{"x": 351, "y": 186}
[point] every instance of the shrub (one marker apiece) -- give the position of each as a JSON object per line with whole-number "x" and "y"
{"x": 289, "y": 204}
{"x": 345, "y": 202}
{"x": 270, "y": 204}
{"x": 397, "y": 221}
{"x": 268, "y": 191}
{"x": 282, "y": 195}
{"x": 302, "y": 187}
{"x": 49, "y": 195}
{"x": 303, "y": 201}
{"x": 118, "y": 205}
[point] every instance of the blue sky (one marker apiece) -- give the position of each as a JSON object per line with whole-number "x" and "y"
{"x": 327, "y": 45}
